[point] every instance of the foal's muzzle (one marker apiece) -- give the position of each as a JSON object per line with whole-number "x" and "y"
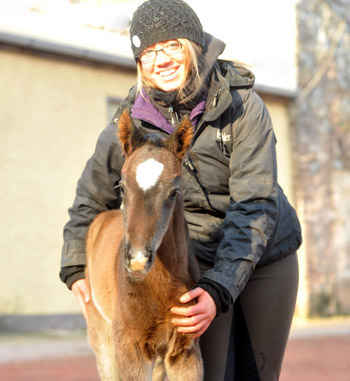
{"x": 138, "y": 261}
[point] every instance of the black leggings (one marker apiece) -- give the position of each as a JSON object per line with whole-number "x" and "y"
{"x": 248, "y": 343}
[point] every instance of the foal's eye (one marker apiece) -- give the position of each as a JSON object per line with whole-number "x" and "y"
{"x": 122, "y": 190}
{"x": 173, "y": 194}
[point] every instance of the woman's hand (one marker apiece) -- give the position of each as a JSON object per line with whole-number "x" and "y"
{"x": 197, "y": 318}
{"x": 81, "y": 292}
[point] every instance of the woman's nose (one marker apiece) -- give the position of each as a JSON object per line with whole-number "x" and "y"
{"x": 162, "y": 58}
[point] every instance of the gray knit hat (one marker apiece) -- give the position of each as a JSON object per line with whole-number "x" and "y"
{"x": 160, "y": 20}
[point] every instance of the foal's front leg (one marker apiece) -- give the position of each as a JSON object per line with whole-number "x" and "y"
{"x": 131, "y": 364}
{"x": 159, "y": 373}
{"x": 183, "y": 361}
{"x": 100, "y": 337}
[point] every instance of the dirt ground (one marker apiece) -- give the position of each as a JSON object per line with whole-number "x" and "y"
{"x": 318, "y": 354}
{"x": 317, "y": 359}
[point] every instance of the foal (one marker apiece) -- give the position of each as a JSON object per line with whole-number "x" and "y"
{"x": 138, "y": 266}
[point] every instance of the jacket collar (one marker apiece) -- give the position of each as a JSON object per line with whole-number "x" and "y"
{"x": 143, "y": 109}
{"x": 226, "y": 76}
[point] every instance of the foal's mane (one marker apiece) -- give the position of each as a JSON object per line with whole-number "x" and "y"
{"x": 154, "y": 140}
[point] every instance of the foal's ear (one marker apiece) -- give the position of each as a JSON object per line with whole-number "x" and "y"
{"x": 180, "y": 140}
{"x": 130, "y": 138}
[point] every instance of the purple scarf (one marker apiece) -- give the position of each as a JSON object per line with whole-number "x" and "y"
{"x": 143, "y": 109}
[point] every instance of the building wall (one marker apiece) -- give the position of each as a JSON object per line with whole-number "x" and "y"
{"x": 279, "y": 110}
{"x": 51, "y": 112}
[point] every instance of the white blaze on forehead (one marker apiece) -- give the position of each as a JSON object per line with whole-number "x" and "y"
{"x": 148, "y": 172}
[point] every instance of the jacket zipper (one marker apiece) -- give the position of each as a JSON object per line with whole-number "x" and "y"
{"x": 214, "y": 104}
{"x": 174, "y": 116}
{"x": 188, "y": 163}
{"x": 215, "y": 100}
{"x": 191, "y": 168}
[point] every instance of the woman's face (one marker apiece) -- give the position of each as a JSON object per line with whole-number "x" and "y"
{"x": 167, "y": 71}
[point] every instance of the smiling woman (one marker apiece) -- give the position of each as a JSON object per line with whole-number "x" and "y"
{"x": 240, "y": 223}
{"x": 177, "y": 68}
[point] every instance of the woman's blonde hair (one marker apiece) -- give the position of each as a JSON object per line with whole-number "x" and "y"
{"x": 193, "y": 51}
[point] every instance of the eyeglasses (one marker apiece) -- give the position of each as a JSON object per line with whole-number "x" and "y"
{"x": 170, "y": 49}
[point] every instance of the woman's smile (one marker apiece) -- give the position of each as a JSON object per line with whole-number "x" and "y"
{"x": 169, "y": 73}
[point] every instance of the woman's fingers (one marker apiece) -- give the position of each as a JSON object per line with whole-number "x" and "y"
{"x": 197, "y": 318}
{"x": 200, "y": 332}
{"x": 190, "y": 295}
{"x": 188, "y": 311}
{"x": 186, "y": 322}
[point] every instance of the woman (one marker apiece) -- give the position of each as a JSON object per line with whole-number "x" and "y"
{"x": 243, "y": 230}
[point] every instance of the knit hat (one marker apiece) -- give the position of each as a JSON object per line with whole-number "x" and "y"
{"x": 161, "y": 20}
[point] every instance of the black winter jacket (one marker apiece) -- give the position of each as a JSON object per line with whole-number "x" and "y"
{"x": 237, "y": 214}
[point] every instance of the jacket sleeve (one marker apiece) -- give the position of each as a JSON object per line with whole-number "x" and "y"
{"x": 252, "y": 211}
{"x": 95, "y": 193}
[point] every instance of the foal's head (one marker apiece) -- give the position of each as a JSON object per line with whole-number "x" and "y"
{"x": 150, "y": 186}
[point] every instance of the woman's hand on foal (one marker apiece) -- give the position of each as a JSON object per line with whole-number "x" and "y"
{"x": 81, "y": 291}
{"x": 197, "y": 318}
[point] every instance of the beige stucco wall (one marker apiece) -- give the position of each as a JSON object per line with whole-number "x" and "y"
{"x": 51, "y": 112}
{"x": 279, "y": 111}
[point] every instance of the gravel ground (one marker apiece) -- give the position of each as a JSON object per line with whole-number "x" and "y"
{"x": 319, "y": 351}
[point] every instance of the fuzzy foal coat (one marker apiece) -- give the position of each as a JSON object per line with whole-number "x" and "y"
{"x": 129, "y": 319}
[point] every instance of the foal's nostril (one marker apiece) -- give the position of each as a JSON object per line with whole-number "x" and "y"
{"x": 127, "y": 253}
{"x": 149, "y": 253}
